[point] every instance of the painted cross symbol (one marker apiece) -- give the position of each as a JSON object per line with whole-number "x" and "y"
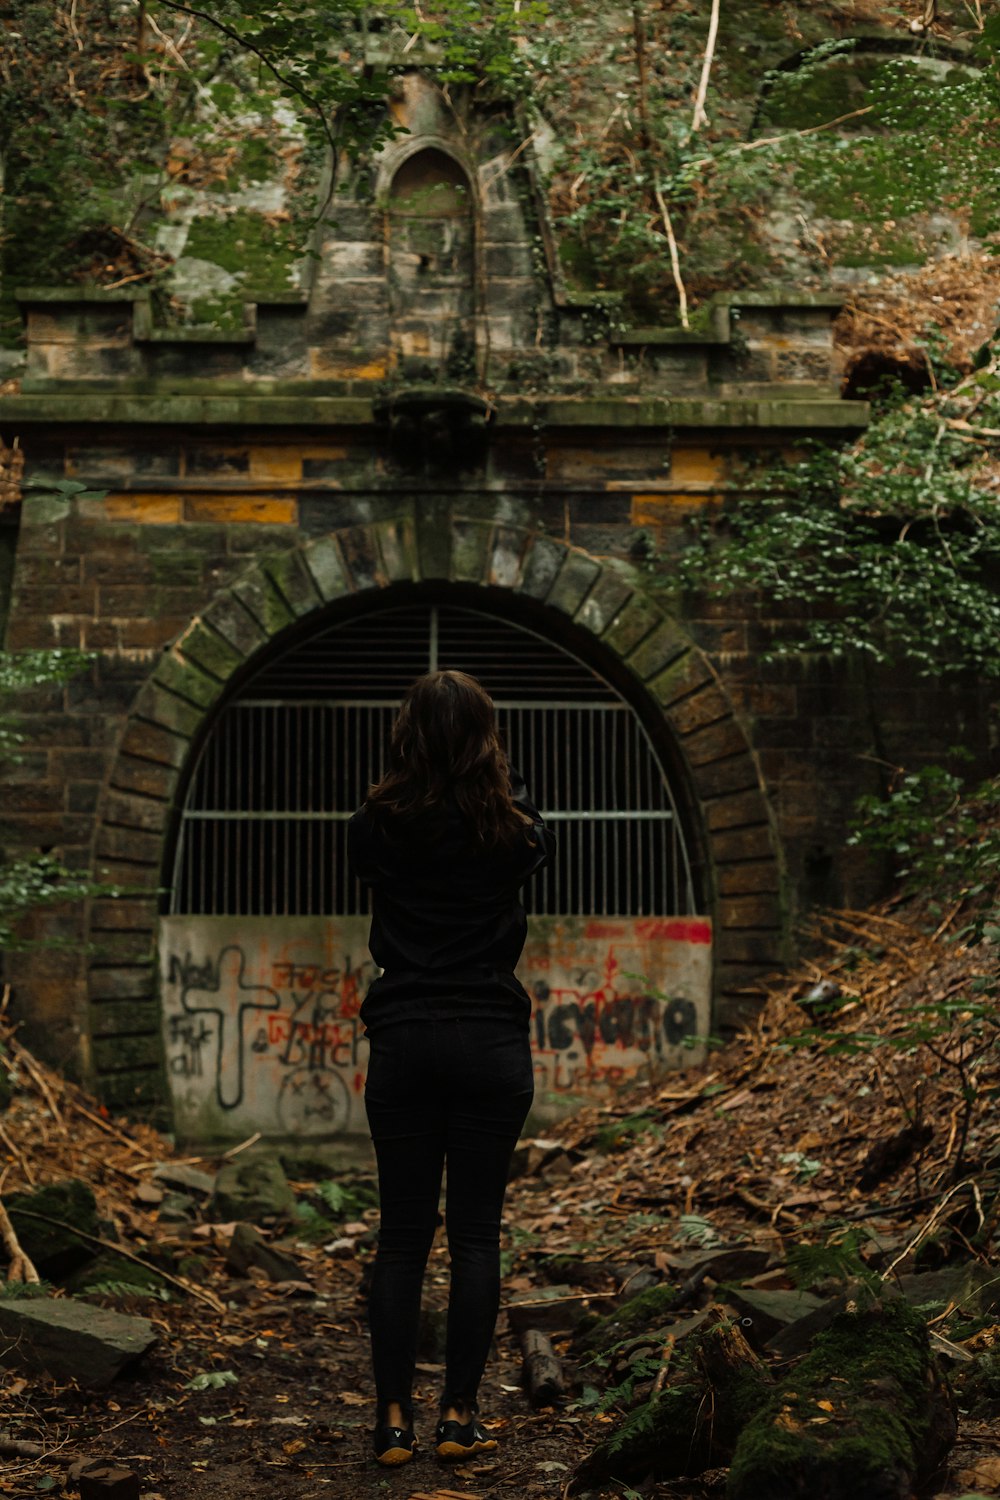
{"x": 211, "y": 989}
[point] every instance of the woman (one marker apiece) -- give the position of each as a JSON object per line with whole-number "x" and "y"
{"x": 445, "y": 840}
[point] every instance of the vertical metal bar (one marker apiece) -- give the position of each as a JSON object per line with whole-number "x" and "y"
{"x": 630, "y": 804}
{"x": 432, "y": 652}
{"x": 586, "y": 721}
{"x": 270, "y": 826}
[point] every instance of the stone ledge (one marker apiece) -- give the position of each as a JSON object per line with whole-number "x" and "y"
{"x": 298, "y": 410}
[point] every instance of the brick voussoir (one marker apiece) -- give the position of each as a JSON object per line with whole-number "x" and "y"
{"x": 294, "y": 583}
{"x": 228, "y": 617}
{"x": 153, "y": 742}
{"x": 326, "y": 565}
{"x": 470, "y": 550}
{"x": 541, "y": 566}
{"x": 210, "y": 651}
{"x": 573, "y": 582}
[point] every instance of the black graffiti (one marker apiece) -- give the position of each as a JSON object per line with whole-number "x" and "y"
{"x": 641, "y": 1022}
{"x": 199, "y": 984}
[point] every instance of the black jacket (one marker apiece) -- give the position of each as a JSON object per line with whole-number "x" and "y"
{"x": 447, "y": 924}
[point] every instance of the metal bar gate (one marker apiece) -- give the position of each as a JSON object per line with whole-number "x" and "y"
{"x": 264, "y": 826}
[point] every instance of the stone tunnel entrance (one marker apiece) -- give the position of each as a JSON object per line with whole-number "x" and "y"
{"x": 263, "y": 954}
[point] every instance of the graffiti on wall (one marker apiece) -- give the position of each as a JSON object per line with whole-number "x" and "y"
{"x": 262, "y": 1032}
{"x": 613, "y": 996}
{"x": 261, "y": 1026}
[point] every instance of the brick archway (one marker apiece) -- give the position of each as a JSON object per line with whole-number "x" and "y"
{"x": 136, "y": 819}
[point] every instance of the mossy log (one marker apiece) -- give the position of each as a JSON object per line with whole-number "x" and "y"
{"x": 693, "y": 1423}
{"x": 865, "y": 1413}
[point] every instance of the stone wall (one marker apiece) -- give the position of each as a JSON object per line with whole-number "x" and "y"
{"x": 434, "y": 413}
{"x": 193, "y": 550}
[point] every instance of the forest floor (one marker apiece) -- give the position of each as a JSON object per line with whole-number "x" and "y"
{"x": 852, "y": 1120}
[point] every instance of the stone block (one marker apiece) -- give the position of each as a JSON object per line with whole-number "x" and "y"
{"x": 55, "y": 599}
{"x": 122, "y": 982}
{"x": 294, "y": 582}
{"x": 113, "y": 1018}
{"x": 708, "y": 704}
{"x": 145, "y": 777}
{"x": 759, "y": 910}
{"x": 228, "y": 618}
{"x": 276, "y": 462}
{"x": 248, "y": 1248}
{"x": 434, "y": 540}
{"x": 98, "y": 1480}
{"x": 183, "y": 678}
{"x": 764, "y": 948}
{"x": 71, "y": 1340}
{"x": 253, "y": 1188}
{"x": 742, "y": 843}
{"x": 134, "y": 845}
{"x": 209, "y": 651}
{"x": 127, "y": 1051}
{"x": 153, "y": 742}
{"x": 121, "y": 947}
{"x": 326, "y": 565}
{"x": 258, "y": 594}
{"x": 358, "y": 260}
{"x": 541, "y": 566}
{"x": 748, "y": 878}
{"x": 162, "y": 707}
{"x": 504, "y": 223}
{"x": 46, "y": 568}
{"x": 666, "y": 643}
{"x": 572, "y": 584}
{"x": 736, "y": 774}
{"x": 397, "y": 547}
{"x": 509, "y": 258}
{"x": 132, "y": 1090}
{"x": 217, "y": 460}
{"x": 506, "y": 559}
{"x": 470, "y": 550}
{"x": 258, "y": 510}
{"x": 123, "y": 913}
{"x": 37, "y": 633}
{"x": 683, "y": 676}
{"x": 737, "y": 810}
{"x": 32, "y": 796}
{"x": 146, "y": 508}
{"x": 603, "y": 603}
{"x": 714, "y": 742}
{"x": 361, "y": 557}
{"x": 82, "y": 796}
{"x": 633, "y": 622}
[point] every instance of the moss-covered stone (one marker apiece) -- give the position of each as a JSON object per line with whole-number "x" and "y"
{"x": 648, "y": 1310}
{"x": 44, "y": 1222}
{"x": 865, "y": 1413}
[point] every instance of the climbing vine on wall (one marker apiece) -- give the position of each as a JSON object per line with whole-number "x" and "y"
{"x": 888, "y": 550}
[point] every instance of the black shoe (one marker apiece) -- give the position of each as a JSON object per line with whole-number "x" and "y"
{"x": 462, "y": 1439}
{"x": 393, "y": 1445}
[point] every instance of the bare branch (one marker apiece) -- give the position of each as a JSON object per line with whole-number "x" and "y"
{"x": 700, "y": 117}
{"x": 675, "y": 260}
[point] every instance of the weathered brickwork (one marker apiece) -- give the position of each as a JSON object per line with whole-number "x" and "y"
{"x": 434, "y": 413}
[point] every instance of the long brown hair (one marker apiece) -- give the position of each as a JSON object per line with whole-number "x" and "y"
{"x": 445, "y": 745}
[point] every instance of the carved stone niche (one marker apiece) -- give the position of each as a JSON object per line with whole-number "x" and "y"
{"x": 436, "y": 430}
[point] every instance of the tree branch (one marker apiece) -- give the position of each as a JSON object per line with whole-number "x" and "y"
{"x": 700, "y": 118}
{"x": 20, "y": 1268}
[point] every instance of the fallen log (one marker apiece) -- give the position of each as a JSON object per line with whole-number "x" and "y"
{"x": 867, "y": 1412}
{"x": 692, "y": 1423}
{"x": 541, "y": 1371}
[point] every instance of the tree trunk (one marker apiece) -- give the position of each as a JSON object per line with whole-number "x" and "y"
{"x": 693, "y": 1423}
{"x": 865, "y": 1413}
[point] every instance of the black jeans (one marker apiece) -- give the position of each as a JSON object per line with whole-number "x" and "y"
{"x": 442, "y": 1090}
